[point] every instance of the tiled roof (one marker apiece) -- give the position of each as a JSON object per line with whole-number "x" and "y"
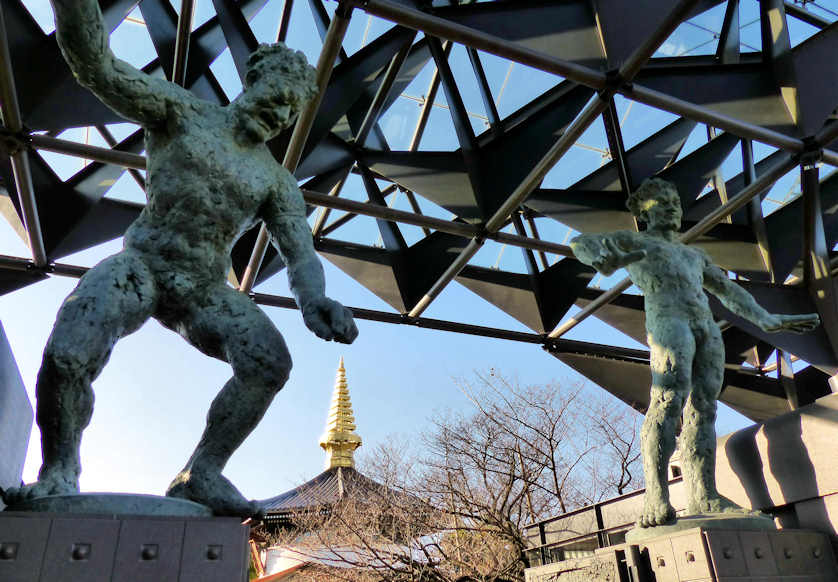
{"x": 325, "y": 489}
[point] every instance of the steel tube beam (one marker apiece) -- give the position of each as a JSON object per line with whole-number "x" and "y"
{"x": 452, "y": 271}
{"x": 534, "y": 231}
{"x": 414, "y": 204}
{"x": 324, "y": 214}
{"x": 21, "y": 264}
{"x": 565, "y": 346}
{"x": 757, "y": 187}
{"x": 701, "y": 227}
{"x": 88, "y": 152}
{"x": 433, "y": 87}
{"x": 462, "y": 229}
{"x": 325, "y": 63}
{"x": 184, "y": 29}
{"x": 443, "y": 28}
{"x": 10, "y": 110}
{"x": 710, "y": 117}
{"x": 26, "y": 195}
{"x": 806, "y": 16}
{"x": 324, "y": 231}
{"x": 828, "y": 134}
{"x": 130, "y": 160}
{"x": 111, "y": 140}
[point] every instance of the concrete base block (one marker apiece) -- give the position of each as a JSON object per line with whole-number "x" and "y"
{"x": 41, "y": 547}
{"x": 702, "y": 554}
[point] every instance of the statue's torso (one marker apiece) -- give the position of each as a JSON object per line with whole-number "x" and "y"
{"x": 204, "y": 190}
{"x": 671, "y": 278}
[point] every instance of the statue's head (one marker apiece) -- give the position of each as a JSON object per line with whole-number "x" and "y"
{"x": 657, "y": 203}
{"x": 278, "y": 84}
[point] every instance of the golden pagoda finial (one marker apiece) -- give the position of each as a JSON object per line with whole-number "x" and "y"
{"x": 339, "y": 439}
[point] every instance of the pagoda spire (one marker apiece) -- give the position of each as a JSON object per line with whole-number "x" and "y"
{"x": 339, "y": 439}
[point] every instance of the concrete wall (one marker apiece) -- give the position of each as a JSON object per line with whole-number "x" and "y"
{"x": 788, "y": 465}
{"x": 15, "y": 418}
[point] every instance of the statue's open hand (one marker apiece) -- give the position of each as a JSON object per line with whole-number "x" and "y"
{"x": 793, "y": 323}
{"x": 330, "y": 320}
{"x": 612, "y": 257}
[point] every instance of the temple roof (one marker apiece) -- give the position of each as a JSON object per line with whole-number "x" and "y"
{"x": 326, "y": 489}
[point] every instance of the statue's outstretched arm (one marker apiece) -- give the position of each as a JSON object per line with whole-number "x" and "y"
{"x": 607, "y": 252}
{"x": 285, "y": 217}
{"x": 744, "y": 305}
{"x": 84, "y": 42}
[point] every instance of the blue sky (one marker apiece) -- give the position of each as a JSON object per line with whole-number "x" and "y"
{"x": 152, "y": 397}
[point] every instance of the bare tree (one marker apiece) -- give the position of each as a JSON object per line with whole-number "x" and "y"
{"x": 455, "y": 509}
{"x": 617, "y": 464}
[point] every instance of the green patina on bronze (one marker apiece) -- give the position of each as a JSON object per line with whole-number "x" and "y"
{"x": 686, "y": 349}
{"x": 210, "y": 178}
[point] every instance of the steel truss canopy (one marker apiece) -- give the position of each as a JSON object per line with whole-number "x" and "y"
{"x": 416, "y": 167}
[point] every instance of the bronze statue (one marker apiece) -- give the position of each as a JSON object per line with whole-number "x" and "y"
{"x": 210, "y": 178}
{"x": 686, "y": 350}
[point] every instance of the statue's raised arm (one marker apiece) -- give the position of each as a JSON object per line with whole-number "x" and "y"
{"x": 131, "y": 93}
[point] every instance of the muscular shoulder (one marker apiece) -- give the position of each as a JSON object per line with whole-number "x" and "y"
{"x": 285, "y": 197}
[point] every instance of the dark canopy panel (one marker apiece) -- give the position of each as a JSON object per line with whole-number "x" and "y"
{"x": 453, "y": 130}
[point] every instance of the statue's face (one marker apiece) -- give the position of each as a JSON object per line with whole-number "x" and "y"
{"x": 662, "y": 211}
{"x": 263, "y": 111}
{"x": 278, "y": 84}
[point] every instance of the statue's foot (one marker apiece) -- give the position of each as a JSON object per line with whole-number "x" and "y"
{"x": 716, "y": 504}
{"x": 656, "y": 512}
{"x": 214, "y": 491}
{"x": 48, "y": 484}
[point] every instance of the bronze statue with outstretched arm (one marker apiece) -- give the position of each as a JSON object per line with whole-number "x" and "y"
{"x": 210, "y": 178}
{"x": 686, "y": 349}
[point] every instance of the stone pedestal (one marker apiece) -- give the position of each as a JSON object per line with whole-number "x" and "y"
{"x": 718, "y": 555}
{"x": 703, "y": 555}
{"x": 50, "y": 547}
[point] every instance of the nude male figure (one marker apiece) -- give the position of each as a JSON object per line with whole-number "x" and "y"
{"x": 210, "y": 178}
{"x": 686, "y": 350}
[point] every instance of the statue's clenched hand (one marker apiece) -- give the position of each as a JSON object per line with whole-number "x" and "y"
{"x": 776, "y": 322}
{"x": 330, "y": 320}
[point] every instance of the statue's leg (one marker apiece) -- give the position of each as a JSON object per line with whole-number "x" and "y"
{"x": 112, "y": 300}
{"x": 698, "y": 434}
{"x": 671, "y": 346}
{"x": 231, "y": 327}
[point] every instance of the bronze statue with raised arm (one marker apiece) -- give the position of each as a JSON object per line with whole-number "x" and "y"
{"x": 686, "y": 350}
{"x": 210, "y": 178}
